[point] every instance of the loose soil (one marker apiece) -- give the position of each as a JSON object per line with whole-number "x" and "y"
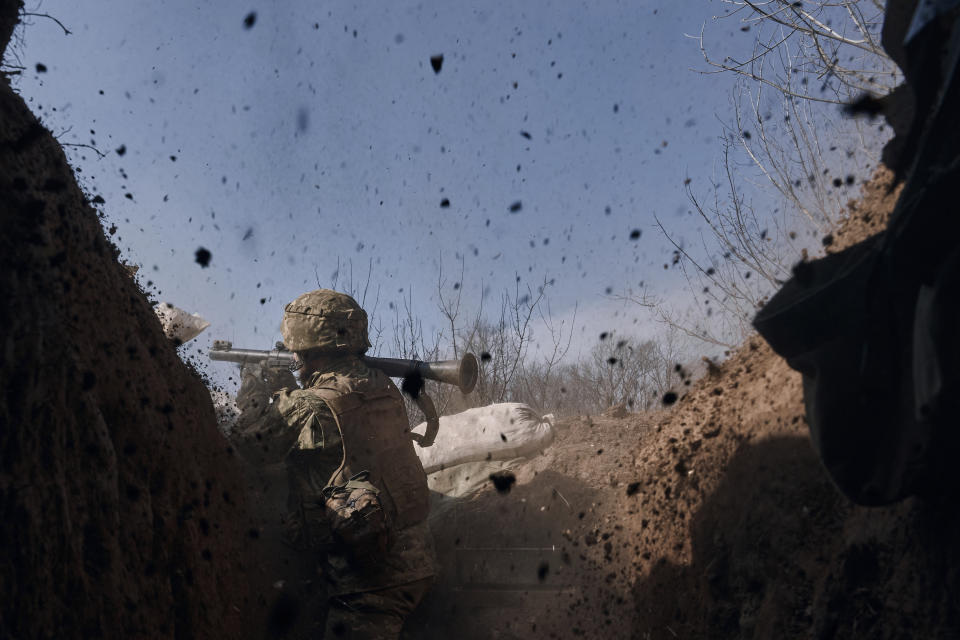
{"x": 711, "y": 519}
{"x": 122, "y": 508}
{"x": 125, "y": 511}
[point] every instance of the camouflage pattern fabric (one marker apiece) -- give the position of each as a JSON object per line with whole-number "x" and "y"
{"x": 374, "y": 615}
{"x": 260, "y": 433}
{"x": 315, "y": 454}
{"x": 356, "y": 517}
{"x": 258, "y": 384}
{"x": 325, "y": 320}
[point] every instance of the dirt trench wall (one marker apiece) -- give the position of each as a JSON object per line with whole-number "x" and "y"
{"x": 120, "y": 501}
{"x": 744, "y": 535}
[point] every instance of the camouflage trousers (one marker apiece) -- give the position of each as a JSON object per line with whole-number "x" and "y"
{"x": 374, "y": 615}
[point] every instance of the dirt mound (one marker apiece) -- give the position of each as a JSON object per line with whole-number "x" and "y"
{"x": 547, "y": 554}
{"x": 748, "y": 538}
{"x": 615, "y": 512}
{"x": 868, "y": 215}
{"x": 123, "y": 505}
{"x": 746, "y": 535}
{"x": 120, "y": 500}
{"x": 713, "y": 519}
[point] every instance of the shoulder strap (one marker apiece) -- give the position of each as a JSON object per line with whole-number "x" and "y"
{"x": 338, "y": 402}
{"x": 341, "y": 402}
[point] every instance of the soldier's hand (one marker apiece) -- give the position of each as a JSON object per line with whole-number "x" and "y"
{"x": 253, "y": 394}
{"x": 251, "y": 370}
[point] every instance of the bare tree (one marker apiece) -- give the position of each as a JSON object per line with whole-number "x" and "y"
{"x": 618, "y": 370}
{"x": 523, "y": 350}
{"x": 667, "y": 372}
{"x": 788, "y": 156}
{"x": 450, "y": 307}
{"x": 505, "y": 342}
{"x": 542, "y": 381}
{"x": 11, "y": 63}
{"x": 354, "y": 290}
{"x": 832, "y": 45}
{"x": 410, "y": 342}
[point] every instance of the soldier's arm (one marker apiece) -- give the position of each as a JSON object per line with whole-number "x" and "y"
{"x": 258, "y": 384}
{"x": 310, "y": 425}
{"x": 259, "y": 434}
{"x": 315, "y": 450}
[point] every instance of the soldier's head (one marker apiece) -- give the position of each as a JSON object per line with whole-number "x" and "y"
{"x": 324, "y": 324}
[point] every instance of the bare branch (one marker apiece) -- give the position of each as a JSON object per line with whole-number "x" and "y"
{"x": 66, "y": 31}
{"x": 85, "y": 146}
{"x": 812, "y": 27}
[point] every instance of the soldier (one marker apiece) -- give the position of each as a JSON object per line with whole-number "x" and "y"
{"x": 353, "y": 454}
{"x": 258, "y": 383}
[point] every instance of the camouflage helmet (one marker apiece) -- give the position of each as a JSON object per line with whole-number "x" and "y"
{"x": 325, "y": 320}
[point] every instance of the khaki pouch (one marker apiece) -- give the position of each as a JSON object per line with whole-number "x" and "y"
{"x": 356, "y": 517}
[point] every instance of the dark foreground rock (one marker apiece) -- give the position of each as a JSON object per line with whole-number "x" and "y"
{"x": 120, "y": 501}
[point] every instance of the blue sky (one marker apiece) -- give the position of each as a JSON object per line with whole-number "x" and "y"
{"x": 322, "y": 135}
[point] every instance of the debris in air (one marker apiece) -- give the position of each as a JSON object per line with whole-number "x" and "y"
{"x": 503, "y": 481}
{"x": 516, "y": 206}
{"x": 412, "y": 384}
{"x": 436, "y": 62}
{"x": 250, "y": 20}
{"x": 669, "y": 398}
{"x": 542, "y": 571}
{"x": 202, "y": 257}
{"x": 865, "y": 105}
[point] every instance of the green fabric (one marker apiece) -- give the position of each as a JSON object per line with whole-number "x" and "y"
{"x": 326, "y": 320}
{"x": 374, "y": 615}
{"x": 309, "y": 417}
{"x": 359, "y": 481}
{"x": 315, "y": 454}
{"x": 360, "y": 484}
{"x": 335, "y": 366}
{"x": 348, "y": 486}
{"x": 410, "y": 557}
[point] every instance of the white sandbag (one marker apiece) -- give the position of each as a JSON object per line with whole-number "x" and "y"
{"x": 495, "y": 432}
{"x": 464, "y": 480}
{"x": 178, "y": 325}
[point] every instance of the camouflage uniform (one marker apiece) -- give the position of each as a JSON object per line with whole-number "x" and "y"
{"x": 349, "y": 418}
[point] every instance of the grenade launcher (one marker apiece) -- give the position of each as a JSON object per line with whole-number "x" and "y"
{"x": 460, "y": 373}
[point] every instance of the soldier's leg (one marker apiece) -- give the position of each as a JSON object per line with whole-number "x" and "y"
{"x": 374, "y": 615}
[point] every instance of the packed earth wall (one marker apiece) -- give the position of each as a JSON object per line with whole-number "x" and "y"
{"x": 122, "y": 507}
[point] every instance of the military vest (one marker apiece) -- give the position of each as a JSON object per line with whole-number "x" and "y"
{"x": 375, "y": 431}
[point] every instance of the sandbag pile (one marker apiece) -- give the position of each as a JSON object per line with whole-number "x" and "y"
{"x": 179, "y": 325}
{"x": 496, "y": 432}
